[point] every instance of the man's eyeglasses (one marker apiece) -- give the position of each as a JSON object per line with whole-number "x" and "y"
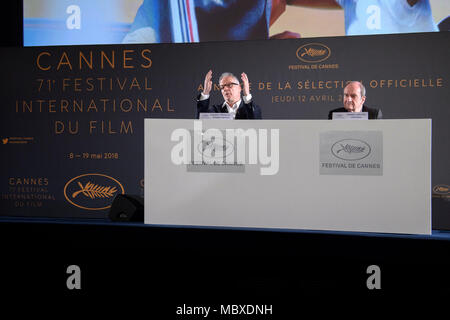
{"x": 228, "y": 85}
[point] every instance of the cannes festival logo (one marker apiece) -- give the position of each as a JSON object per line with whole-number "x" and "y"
{"x": 215, "y": 150}
{"x": 441, "y": 189}
{"x": 92, "y": 191}
{"x": 227, "y": 147}
{"x": 313, "y": 52}
{"x": 350, "y": 149}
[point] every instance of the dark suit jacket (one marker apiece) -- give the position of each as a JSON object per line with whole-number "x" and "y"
{"x": 373, "y": 113}
{"x": 244, "y": 111}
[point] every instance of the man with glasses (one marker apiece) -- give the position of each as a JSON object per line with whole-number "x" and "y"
{"x": 240, "y": 107}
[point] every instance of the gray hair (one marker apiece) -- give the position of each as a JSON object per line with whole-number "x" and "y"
{"x": 228, "y": 74}
{"x": 361, "y": 87}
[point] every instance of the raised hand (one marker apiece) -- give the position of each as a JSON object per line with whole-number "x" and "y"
{"x": 246, "y": 83}
{"x": 207, "y": 85}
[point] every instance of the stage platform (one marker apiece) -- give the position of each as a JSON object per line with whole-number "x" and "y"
{"x": 435, "y": 235}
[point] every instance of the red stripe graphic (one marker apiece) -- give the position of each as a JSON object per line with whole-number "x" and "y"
{"x": 191, "y": 33}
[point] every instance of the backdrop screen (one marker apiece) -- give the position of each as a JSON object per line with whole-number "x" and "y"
{"x": 77, "y": 22}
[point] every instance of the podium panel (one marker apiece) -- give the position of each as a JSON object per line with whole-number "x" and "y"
{"x": 365, "y": 176}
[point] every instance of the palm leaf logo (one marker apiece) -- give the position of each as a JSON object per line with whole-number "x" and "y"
{"x": 351, "y": 149}
{"x": 93, "y": 191}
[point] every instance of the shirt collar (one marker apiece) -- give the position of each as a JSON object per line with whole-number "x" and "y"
{"x": 234, "y": 108}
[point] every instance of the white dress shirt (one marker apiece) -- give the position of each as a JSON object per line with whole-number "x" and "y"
{"x": 235, "y": 106}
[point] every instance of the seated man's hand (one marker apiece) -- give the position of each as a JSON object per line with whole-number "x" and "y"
{"x": 245, "y": 83}
{"x": 207, "y": 85}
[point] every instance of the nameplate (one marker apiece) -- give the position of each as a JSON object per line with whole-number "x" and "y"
{"x": 350, "y": 115}
{"x": 215, "y": 116}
